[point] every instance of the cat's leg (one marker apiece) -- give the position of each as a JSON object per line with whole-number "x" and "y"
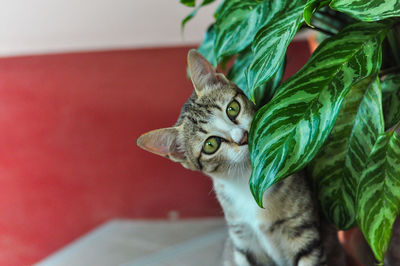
{"x": 227, "y": 256}
{"x": 240, "y": 239}
{"x": 244, "y": 248}
{"x": 232, "y": 256}
{"x": 305, "y": 250}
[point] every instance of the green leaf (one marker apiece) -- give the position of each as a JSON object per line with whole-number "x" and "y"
{"x": 391, "y": 54}
{"x": 287, "y": 133}
{"x": 311, "y": 7}
{"x": 391, "y": 99}
{"x": 193, "y": 13}
{"x": 236, "y": 73}
{"x": 264, "y": 93}
{"x": 330, "y": 20}
{"x": 270, "y": 44}
{"x": 237, "y": 23}
{"x": 369, "y": 10}
{"x": 378, "y": 193}
{"x": 207, "y": 46}
{"x": 189, "y": 3}
{"x": 340, "y": 162}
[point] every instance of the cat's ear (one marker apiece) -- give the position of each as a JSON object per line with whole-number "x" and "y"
{"x": 202, "y": 72}
{"x": 163, "y": 142}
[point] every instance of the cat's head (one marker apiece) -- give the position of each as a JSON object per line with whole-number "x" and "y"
{"x": 212, "y": 129}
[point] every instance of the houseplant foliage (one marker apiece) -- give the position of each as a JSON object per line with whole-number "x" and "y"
{"x": 338, "y": 116}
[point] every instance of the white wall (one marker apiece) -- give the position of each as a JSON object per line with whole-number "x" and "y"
{"x": 45, "y": 26}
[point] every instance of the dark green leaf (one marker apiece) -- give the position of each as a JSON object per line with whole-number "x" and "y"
{"x": 378, "y": 193}
{"x": 311, "y": 7}
{"x": 393, "y": 51}
{"x": 368, "y": 10}
{"x": 331, "y": 20}
{"x": 237, "y": 23}
{"x": 286, "y": 134}
{"x": 264, "y": 93}
{"x": 193, "y": 13}
{"x": 189, "y": 3}
{"x": 236, "y": 73}
{"x": 225, "y": 61}
{"x": 219, "y": 8}
{"x": 340, "y": 162}
{"x": 207, "y": 47}
{"x": 270, "y": 44}
{"x": 391, "y": 83}
{"x": 391, "y": 99}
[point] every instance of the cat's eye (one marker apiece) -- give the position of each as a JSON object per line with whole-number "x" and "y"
{"x": 211, "y": 145}
{"x": 233, "y": 110}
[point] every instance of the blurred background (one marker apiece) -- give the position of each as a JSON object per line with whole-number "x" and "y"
{"x": 79, "y": 82}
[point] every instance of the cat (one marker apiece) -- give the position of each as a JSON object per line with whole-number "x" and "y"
{"x": 211, "y": 136}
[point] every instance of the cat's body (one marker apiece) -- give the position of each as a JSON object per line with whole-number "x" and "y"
{"x": 288, "y": 231}
{"x": 211, "y": 136}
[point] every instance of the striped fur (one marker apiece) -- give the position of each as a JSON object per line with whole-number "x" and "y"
{"x": 288, "y": 230}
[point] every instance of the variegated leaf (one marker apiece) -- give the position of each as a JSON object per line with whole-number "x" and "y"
{"x": 378, "y": 193}
{"x": 331, "y": 21}
{"x": 207, "y": 46}
{"x": 193, "y": 13}
{"x": 264, "y": 93}
{"x": 286, "y": 133}
{"x": 370, "y": 10}
{"x": 236, "y": 73}
{"x": 311, "y": 7}
{"x": 340, "y": 162}
{"x": 391, "y": 99}
{"x": 237, "y": 23}
{"x": 270, "y": 44}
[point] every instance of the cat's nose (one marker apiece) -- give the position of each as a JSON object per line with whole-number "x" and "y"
{"x": 239, "y": 136}
{"x": 244, "y": 139}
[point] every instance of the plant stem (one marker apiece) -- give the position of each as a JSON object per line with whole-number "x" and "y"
{"x": 389, "y": 70}
{"x": 326, "y": 32}
{"x": 396, "y": 128}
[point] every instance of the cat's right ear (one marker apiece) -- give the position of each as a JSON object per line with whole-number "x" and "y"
{"x": 163, "y": 142}
{"x": 202, "y": 72}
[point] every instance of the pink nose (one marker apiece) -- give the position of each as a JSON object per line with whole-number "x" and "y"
{"x": 244, "y": 139}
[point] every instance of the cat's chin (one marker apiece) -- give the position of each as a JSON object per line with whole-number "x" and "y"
{"x": 235, "y": 172}
{"x": 240, "y": 154}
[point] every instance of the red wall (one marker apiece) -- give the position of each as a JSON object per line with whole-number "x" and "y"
{"x": 68, "y": 155}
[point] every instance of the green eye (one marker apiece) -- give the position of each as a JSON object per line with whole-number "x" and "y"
{"x": 211, "y": 145}
{"x": 233, "y": 110}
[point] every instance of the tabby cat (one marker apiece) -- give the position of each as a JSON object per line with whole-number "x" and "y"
{"x": 211, "y": 136}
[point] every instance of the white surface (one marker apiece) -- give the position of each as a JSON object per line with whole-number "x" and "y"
{"x": 146, "y": 243}
{"x": 45, "y": 26}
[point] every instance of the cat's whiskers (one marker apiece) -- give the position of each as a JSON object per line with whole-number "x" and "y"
{"x": 211, "y": 136}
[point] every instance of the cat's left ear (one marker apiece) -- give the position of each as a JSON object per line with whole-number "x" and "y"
{"x": 163, "y": 142}
{"x": 202, "y": 73}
